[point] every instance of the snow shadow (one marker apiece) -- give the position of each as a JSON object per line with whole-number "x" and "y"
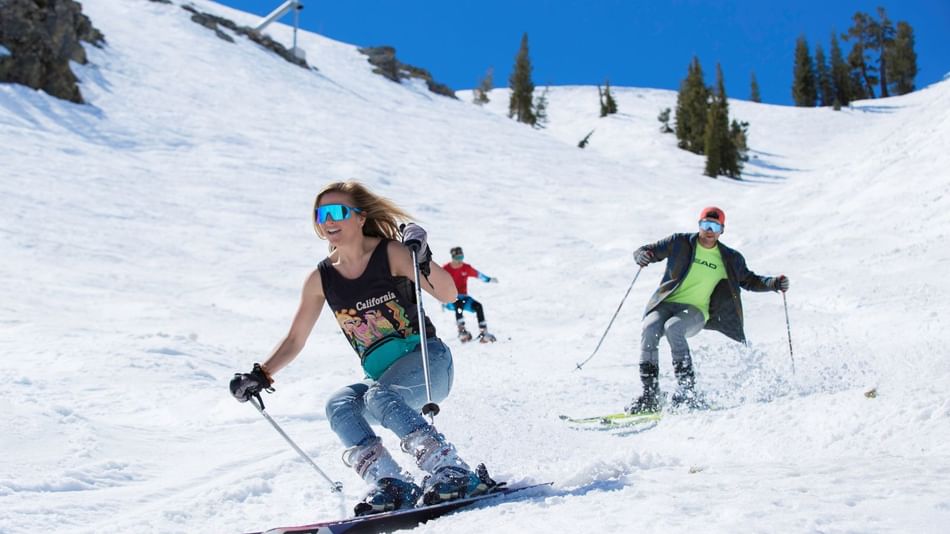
{"x": 877, "y": 108}
{"x": 765, "y": 170}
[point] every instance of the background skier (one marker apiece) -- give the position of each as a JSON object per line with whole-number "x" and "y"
{"x": 700, "y": 289}
{"x": 461, "y": 272}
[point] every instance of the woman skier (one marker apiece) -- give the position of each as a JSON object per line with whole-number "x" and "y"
{"x": 367, "y": 280}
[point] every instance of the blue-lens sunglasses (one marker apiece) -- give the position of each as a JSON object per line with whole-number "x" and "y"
{"x": 710, "y": 226}
{"x": 338, "y": 212}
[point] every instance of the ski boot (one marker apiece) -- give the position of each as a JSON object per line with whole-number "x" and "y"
{"x": 450, "y": 477}
{"x": 388, "y": 495}
{"x": 649, "y": 401}
{"x": 686, "y": 397}
{"x": 393, "y": 489}
{"x": 451, "y": 482}
{"x": 464, "y": 335}
{"x": 484, "y": 336}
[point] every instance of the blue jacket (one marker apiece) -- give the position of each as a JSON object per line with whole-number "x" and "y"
{"x": 725, "y": 306}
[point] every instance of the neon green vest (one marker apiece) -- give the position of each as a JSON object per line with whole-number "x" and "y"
{"x": 705, "y": 272}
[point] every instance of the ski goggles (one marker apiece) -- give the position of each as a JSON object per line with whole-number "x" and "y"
{"x": 338, "y": 212}
{"x": 458, "y": 257}
{"x": 710, "y": 226}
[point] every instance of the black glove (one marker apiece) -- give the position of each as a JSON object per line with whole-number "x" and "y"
{"x": 780, "y": 283}
{"x": 414, "y": 237}
{"x": 643, "y": 257}
{"x": 247, "y": 385}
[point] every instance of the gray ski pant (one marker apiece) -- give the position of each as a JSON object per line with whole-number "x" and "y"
{"x": 677, "y": 322}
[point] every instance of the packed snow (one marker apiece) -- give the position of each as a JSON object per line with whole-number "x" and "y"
{"x": 155, "y": 240}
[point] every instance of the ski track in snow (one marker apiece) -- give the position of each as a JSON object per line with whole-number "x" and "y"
{"x": 155, "y": 242}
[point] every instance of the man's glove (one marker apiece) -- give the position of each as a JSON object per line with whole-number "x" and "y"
{"x": 414, "y": 237}
{"x": 643, "y": 257}
{"x": 780, "y": 283}
{"x": 492, "y": 280}
{"x": 247, "y": 385}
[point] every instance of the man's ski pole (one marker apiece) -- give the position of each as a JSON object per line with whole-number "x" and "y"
{"x": 580, "y": 365}
{"x": 788, "y": 328}
{"x": 335, "y": 487}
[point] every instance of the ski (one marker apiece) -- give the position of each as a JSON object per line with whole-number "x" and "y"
{"x": 399, "y": 518}
{"x": 623, "y": 422}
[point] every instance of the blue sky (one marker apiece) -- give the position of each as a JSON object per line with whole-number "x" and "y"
{"x": 633, "y": 43}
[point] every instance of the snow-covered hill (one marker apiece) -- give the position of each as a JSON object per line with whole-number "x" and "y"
{"x": 155, "y": 241}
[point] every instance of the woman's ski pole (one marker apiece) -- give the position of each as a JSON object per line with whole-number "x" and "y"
{"x": 580, "y": 365}
{"x": 430, "y": 408}
{"x": 335, "y": 487}
{"x": 788, "y": 328}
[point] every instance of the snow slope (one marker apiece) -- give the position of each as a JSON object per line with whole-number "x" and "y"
{"x": 155, "y": 241}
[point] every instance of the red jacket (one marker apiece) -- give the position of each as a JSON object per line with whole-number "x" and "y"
{"x": 461, "y": 275}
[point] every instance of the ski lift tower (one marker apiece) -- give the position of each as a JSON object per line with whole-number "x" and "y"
{"x": 296, "y": 6}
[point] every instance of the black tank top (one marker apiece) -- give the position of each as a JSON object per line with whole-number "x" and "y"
{"x": 376, "y": 311}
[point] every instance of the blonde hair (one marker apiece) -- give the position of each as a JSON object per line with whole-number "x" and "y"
{"x": 383, "y": 216}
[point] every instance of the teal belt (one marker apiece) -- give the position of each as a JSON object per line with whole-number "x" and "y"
{"x": 382, "y": 354}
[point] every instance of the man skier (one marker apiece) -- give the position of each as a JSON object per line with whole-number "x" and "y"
{"x": 699, "y": 289}
{"x": 461, "y": 272}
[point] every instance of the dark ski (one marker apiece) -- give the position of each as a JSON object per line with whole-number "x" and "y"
{"x": 398, "y": 519}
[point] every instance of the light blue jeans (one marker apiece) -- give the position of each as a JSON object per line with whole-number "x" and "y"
{"x": 394, "y": 400}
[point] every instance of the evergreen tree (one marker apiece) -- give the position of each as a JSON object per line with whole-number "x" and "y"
{"x": 541, "y": 110}
{"x": 521, "y": 102}
{"x": 804, "y": 91}
{"x": 480, "y": 95}
{"x": 840, "y": 77}
{"x": 721, "y": 154}
{"x": 882, "y": 36}
{"x": 583, "y": 142}
{"x": 739, "y": 133}
{"x": 823, "y": 78}
{"x": 754, "y": 90}
{"x": 860, "y": 34}
{"x": 859, "y": 89}
{"x": 714, "y": 137}
{"x": 902, "y": 60}
{"x": 664, "y": 118}
{"x": 609, "y": 101}
{"x": 692, "y": 109}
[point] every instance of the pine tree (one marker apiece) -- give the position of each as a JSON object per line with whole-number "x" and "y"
{"x": 739, "y": 133}
{"x": 480, "y": 95}
{"x": 521, "y": 102}
{"x": 860, "y": 33}
{"x": 583, "y": 142}
{"x": 823, "y": 78}
{"x": 804, "y": 92}
{"x": 664, "y": 118}
{"x": 714, "y": 136}
{"x": 840, "y": 77}
{"x": 608, "y": 105}
{"x": 609, "y": 99}
{"x": 754, "y": 90}
{"x": 721, "y": 154}
{"x": 882, "y": 35}
{"x": 902, "y": 61}
{"x": 692, "y": 109}
{"x": 541, "y": 110}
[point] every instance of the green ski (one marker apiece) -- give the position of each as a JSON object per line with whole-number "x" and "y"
{"x": 616, "y": 421}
